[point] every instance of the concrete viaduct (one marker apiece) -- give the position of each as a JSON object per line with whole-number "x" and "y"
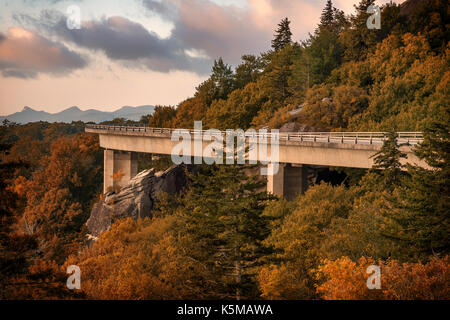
{"x": 296, "y": 150}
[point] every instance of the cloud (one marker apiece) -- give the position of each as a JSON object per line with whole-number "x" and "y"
{"x": 230, "y": 31}
{"x": 25, "y": 54}
{"x": 219, "y": 31}
{"x": 125, "y": 41}
{"x": 304, "y": 15}
{"x": 166, "y": 9}
{"x": 203, "y": 30}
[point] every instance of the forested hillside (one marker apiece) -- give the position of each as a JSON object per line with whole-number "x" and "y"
{"x": 393, "y": 78}
{"x": 223, "y": 238}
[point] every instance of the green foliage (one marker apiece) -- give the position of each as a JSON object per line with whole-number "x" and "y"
{"x": 424, "y": 210}
{"x": 388, "y": 161}
{"x": 222, "y": 77}
{"x": 283, "y": 35}
{"x": 237, "y": 111}
{"x": 430, "y": 18}
{"x": 274, "y": 85}
{"x": 359, "y": 40}
{"x": 325, "y": 53}
{"x": 299, "y": 241}
{"x": 221, "y": 213}
{"x": 248, "y": 71}
{"x": 162, "y": 118}
{"x": 378, "y": 79}
{"x": 327, "y": 16}
{"x": 330, "y": 109}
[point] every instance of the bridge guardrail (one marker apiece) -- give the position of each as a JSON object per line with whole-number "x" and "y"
{"x": 370, "y": 138}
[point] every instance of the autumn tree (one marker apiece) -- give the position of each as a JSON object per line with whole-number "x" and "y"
{"x": 344, "y": 279}
{"x": 16, "y": 250}
{"x": 298, "y": 242}
{"x": 162, "y": 117}
{"x": 204, "y": 244}
{"x": 23, "y": 272}
{"x": 59, "y": 195}
{"x": 139, "y": 260}
{"x": 238, "y": 111}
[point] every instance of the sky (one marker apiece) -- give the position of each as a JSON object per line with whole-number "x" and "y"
{"x": 132, "y": 52}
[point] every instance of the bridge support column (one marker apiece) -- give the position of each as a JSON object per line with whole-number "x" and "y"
{"x": 295, "y": 181}
{"x": 114, "y": 161}
{"x": 275, "y": 182}
{"x": 289, "y": 182}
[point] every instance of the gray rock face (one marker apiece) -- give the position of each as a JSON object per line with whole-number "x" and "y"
{"x": 295, "y": 127}
{"x": 298, "y": 127}
{"x": 137, "y": 199}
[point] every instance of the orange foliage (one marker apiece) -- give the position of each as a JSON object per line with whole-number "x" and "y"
{"x": 346, "y": 280}
{"x": 43, "y": 280}
{"x": 279, "y": 283}
{"x": 138, "y": 260}
{"x": 117, "y": 176}
{"x": 58, "y": 195}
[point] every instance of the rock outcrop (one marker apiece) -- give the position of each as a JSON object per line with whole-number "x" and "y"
{"x": 137, "y": 199}
{"x": 295, "y": 127}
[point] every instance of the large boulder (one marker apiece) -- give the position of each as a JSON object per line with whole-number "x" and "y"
{"x": 135, "y": 200}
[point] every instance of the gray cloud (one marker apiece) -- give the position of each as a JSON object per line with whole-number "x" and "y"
{"x": 218, "y": 31}
{"x": 123, "y": 40}
{"x": 166, "y": 9}
{"x": 25, "y": 54}
{"x": 203, "y": 31}
{"x": 23, "y": 74}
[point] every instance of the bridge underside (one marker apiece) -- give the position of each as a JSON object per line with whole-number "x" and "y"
{"x": 121, "y": 166}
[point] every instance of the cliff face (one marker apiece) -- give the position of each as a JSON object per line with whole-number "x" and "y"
{"x": 136, "y": 200}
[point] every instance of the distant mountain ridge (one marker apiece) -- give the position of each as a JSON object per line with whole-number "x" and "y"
{"x": 76, "y": 114}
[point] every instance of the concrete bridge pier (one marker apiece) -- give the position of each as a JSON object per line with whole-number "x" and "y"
{"x": 115, "y": 161}
{"x": 289, "y": 182}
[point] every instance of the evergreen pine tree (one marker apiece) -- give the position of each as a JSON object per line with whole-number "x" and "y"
{"x": 223, "y": 78}
{"x": 427, "y": 204}
{"x": 327, "y": 17}
{"x": 388, "y": 161}
{"x": 360, "y": 39}
{"x": 248, "y": 71}
{"x": 283, "y": 36}
{"x": 222, "y": 215}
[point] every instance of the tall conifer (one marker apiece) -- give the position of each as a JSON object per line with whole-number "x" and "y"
{"x": 283, "y": 35}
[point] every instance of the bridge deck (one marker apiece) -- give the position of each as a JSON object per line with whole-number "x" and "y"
{"x": 362, "y": 138}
